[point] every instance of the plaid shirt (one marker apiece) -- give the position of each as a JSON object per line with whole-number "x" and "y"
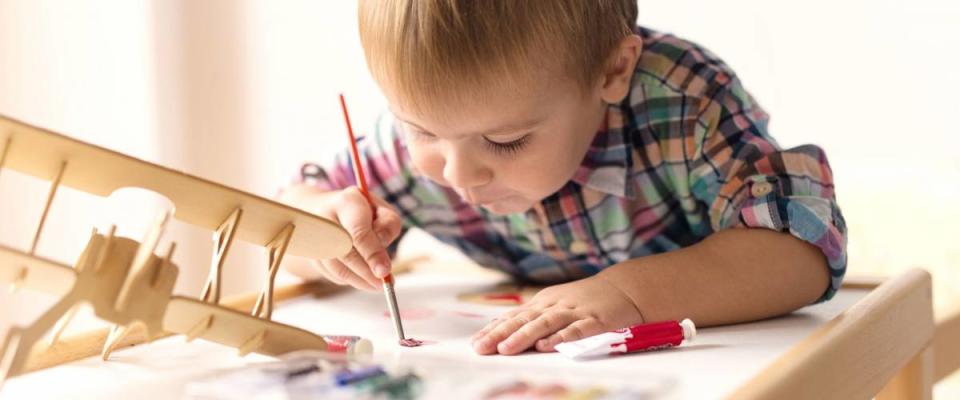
{"x": 686, "y": 154}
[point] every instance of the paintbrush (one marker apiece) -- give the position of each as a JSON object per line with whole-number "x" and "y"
{"x": 387, "y": 281}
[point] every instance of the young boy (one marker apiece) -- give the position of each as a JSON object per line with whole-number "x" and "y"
{"x": 560, "y": 143}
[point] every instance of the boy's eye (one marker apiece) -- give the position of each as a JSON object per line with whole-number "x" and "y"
{"x": 507, "y": 148}
{"x": 498, "y": 147}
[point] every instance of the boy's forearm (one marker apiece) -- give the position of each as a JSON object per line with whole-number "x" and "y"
{"x": 302, "y": 196}
{"x": 734, "y": 275}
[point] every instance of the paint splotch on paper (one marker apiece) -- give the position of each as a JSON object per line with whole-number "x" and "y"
{"x": 467, "y": 314}
{"x": 515, "y": 298}
{"x": 411, "y": 342}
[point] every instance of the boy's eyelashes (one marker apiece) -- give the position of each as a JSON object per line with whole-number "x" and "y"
{"x": 507, "y": 148}
{"x": 497, "y": 147}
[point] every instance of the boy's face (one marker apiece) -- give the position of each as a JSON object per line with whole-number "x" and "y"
{"x": 506, "y": 150}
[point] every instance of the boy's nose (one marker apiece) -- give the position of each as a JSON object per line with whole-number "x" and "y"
{"x": 461, "y": 172}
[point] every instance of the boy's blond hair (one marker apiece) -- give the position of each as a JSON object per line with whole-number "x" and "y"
{"x": 433, "y": 53}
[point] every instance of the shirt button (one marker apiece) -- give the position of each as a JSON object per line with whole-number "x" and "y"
{"x": 578, "y": 246}
{"x": 761, "y": 189}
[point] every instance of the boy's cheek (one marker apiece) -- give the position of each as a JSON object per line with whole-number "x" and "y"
{"x": 427, "y": 164}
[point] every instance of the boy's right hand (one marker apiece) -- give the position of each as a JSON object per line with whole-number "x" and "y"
{"x": 368, "y": 261}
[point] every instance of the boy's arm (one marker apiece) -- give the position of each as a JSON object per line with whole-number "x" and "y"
{"x": 778, "y": 239}
{"x": 735, "y": 275}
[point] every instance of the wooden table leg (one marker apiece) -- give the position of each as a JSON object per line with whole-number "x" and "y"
{"x": 914, "y": 381}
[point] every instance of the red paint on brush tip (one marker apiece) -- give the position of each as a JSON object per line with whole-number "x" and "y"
{"x": 411, "y": 342}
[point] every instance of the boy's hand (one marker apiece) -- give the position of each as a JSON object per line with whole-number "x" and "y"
{"x": 368, "y": 260}
{"x": 558, "y": 314}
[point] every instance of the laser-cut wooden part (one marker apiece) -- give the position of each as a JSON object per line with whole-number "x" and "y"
{"x": 89, "y": 343}
{"x": 6, "y": 148}
{"x": 54, "y": 185}
{"x": 222, "y": 239}
{"x": 143, "y": 292}
{"x": 124, "y": 281}
{"x": 236, "y": 329}
{"x": 275, "y": 250}
{"x": 199, "y": 328}
{"x": 117, "y": 333}
{"x": 142, "y": 260}
{"x": 199, "y": 202}
{"x": 34, "y": 273}
{"x": 100, "y": 276}
{"x": 144, "y": 267}
{"x": 63, "y": 323}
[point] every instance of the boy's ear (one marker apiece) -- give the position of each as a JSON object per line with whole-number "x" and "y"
{"x": 616, "y": 77}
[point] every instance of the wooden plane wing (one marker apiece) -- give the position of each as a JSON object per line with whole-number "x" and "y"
{"x": 96, "y": 170}
{"x": 35, "y": 273}
{"x": 242, "y": 331}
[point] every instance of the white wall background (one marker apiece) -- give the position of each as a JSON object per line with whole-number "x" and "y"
{"x": 242, "y": 91}
{"x": 83, "y": 69}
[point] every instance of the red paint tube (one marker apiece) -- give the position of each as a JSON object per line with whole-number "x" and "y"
{"x": 348, "y": 344}
{"x": 644, "y": 337}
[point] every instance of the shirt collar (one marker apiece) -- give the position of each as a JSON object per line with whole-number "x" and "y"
{"x": 608, "y": 163}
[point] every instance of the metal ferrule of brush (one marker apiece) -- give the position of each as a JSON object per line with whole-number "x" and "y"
{"x": 394, "y": 309}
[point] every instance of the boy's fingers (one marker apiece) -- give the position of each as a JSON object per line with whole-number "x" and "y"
{"x": 529, "y": 333}
{"x": 388, "y": 225}
{"x": 482, "y": 332}
{"x": 488, "y": 344}
{"x": 356, "y": 217}
{"x": 549, "y": 343}
{"x": 337, "y": 270}
{"x": 359, "y": 267}
{"x": 579, "y": 330}
{"x": 493, "y": 324}
{"x": 325, "y": 271}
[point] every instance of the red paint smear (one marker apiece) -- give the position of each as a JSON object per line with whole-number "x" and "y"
{"x": 514, "y": 297}
{"x": 413, "y": 313}
{"x": 411, "y": 342}
{"x": 467, "y": 314}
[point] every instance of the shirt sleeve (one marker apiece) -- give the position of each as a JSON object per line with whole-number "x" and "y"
{"x": 747, "y": 180}
{"x": 386, "y": 166}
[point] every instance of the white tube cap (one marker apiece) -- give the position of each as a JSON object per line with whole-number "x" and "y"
{"x": 689, "y": 329}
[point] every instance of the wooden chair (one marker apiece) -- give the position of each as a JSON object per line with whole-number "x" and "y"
{"x": 946, "y": 344}
{"x": 883, "y": 346}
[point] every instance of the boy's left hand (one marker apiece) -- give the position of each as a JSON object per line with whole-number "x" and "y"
{"x": 558, "y": 314}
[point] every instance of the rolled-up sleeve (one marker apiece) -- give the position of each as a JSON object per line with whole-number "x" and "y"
{"x": 747, "y": 180}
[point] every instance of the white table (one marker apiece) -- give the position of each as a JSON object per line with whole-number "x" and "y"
{"x": 715, "y": 364}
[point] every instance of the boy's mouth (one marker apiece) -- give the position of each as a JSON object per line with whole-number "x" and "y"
{"x": 482, "y": 199}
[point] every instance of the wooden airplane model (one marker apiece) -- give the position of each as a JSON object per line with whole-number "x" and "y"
{"x": 129, "y": 285}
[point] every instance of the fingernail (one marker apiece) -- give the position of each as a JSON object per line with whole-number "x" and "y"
{"x": 505, "y": 346}
{"x": 481, "y": 344}
{"x": 381, "y": 270}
